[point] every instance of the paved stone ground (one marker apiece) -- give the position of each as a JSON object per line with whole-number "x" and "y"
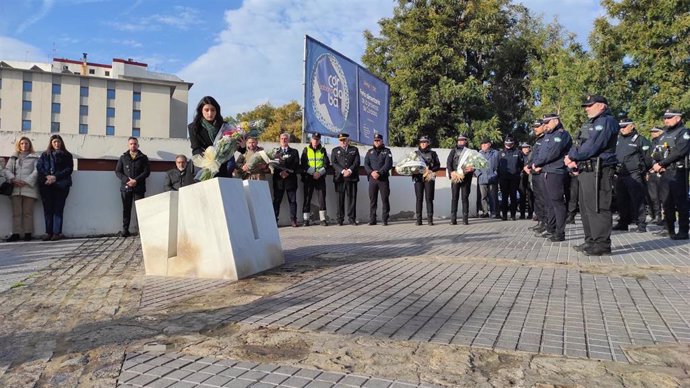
{"x": 78, "y": 312}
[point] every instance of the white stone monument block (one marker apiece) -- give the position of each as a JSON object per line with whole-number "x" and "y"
{"x": 157, "y": 217}
{"x": 225, "y": 229}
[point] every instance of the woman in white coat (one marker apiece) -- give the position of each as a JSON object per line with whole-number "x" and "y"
{"x": 21, "y": 172}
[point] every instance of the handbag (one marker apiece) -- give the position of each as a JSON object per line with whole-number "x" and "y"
{"x": 6, "y": 187}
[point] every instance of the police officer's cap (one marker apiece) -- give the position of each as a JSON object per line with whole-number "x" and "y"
{"x": 593, "y": 99}
{"x": 343, "y": 136}
{"x": 378, "y": 136}
{"x": 424, "y": 139}
{"x": 551, "y": 116}
{"x": 509, "y": 140}
{"x": 461, "y": 137}
{"x": 656, "y": 129}
{"x": 672, "y": 113}
{"x": 485, "y": 140}
{"x": 537, "y": 123}
{"x": 624, "y": 122}
{"x": 316, "y": 136}
{"x": 525, "y": 145}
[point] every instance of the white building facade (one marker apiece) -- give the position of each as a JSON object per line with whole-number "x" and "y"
{"x": 80, "y": 97}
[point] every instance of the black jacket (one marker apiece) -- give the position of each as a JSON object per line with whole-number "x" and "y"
{"x": 174, "y": 179}
{"x": 379, "y": 159}
{"x": 286, "y": 161}
{"x": 633, "y": 153}
{"x": 57, "y": 163}
{"x": 430, "y": 157}
{"x": 137, "y": 169}
{"x": 345, "y": 159}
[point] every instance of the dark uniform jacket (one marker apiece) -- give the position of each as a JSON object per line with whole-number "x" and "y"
{"x": 454, "y": 157}
{"x": 675, "y": 145}
{"x": 345, "y": 158}
{"x": 430, "y": 157}
{"x": 137, "y": 169}
{"x": 378, "y": 159}
{"x": 286, "y": 161}
{"x": 538, "y": 143}
{"x": 555, "y": 146}
{"x": 633, "y": 153}
{"x": 510, "y": 163}
{"x": 602, "y": 135}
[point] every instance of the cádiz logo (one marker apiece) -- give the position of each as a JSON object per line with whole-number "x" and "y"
{"x": 330, "y": 95}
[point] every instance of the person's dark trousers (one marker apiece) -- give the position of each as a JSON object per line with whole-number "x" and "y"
{"x": 526, "y": 201}
{"x": 574, "y": 195}
{"x": 376, "y": 186}
{"x": 489, "y": 198}
{"x": 309, "y": 188}
{"x": 654, "y": 194}
{"x": 292, "y": 202}
{"x": 675, "y": 199}
{"x": 349, "y": 190}
{"x": 630, "y": 193}
{"x": 555, "y": 191}
{"x": 597, "y": 225}
{"x": 128, "y": 198}
{"x": 422, "y": 189}
{"x": 539, "y": 198}
{"x": 456, "y": 188}
{"x": 54, "y": 200}
{"x": 509, "y": 187}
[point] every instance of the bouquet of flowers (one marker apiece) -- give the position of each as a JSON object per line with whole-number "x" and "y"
{"x": 410, "y": 165}
{"x": 260, "y": 161}
{"x": 252, "y": 128}
{"x": 224, "y": 146}
{"x": 470, "y": 158}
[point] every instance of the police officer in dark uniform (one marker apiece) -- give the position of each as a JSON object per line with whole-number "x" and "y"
{"x": 549, "y": 162}
{"x": 510, "y": 164}
{"x": 673, "y": 166}
{"x": 456, "y": 158}
{"x": 346, "y": 162}
{"x": 654, "y": 180}
{"x": 525, "y": 188}
{"x": 425, "y": 184}
{"x": 574, "y": 184}
{"x": 596, "y": 161}
{"x": 314, "y": 163}
{"x": 633, "y": 152}
{"x": 378, "y": 163}
{"x": 537, "y": 179}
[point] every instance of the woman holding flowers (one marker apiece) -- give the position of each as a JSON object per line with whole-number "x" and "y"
{"x": 424, "y": 184}
{"x": 204, "y": 129}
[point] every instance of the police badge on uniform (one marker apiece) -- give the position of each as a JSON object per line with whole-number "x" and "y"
{"x": 599, "y": 127}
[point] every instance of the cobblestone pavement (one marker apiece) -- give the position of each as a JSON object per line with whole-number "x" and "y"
{"x": 78, "y": 312}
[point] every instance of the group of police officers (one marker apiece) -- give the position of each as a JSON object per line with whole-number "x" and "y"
{"x": 554, "y": 177}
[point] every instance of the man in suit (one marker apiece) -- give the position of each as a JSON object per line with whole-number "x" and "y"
{"x": 181, "y": 175}
{"x": 285, "y": 177}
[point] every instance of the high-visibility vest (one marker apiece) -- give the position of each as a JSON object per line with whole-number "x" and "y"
{"x": 315, "y": 157}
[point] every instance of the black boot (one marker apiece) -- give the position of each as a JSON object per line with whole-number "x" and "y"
{"x": 419, "y": 221}
{"x": 430, "y": 220}
{"x": 453, "y": 219}
{"x": 14, "y": 237}
{"x": 465, "y": 219}
{"x": 27, "y": 237}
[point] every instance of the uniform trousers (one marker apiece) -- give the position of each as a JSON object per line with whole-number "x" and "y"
{"x": 377, "y": 186}
{"x": 597, "y": 224}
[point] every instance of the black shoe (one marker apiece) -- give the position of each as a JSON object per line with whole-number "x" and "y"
{"x": 47, "y": 237}
{"x": 641, "y": 229}
{"x": 323, "y": 223}
{"x": 497, "y": 216}
{"x": 353, "y": 222}
{"x": 620, "y": 227}
{"x": 294, "y": 223}
{"x": 340, "y": 222}
{"x": 372, "y": 222}
{"x": 454, "y": 222}
{"x": 430, "y": 221}
{"x": 582, "y": 247}
{"x": 545, "y": 234}
{"x": 555, "y": 238}
{"x": 306, "y": 223}
{"x": 522, "y": 216}
{"x": 485, "y": 215}
{"x": 125, "y": 233}
{"x": 597, "y": 251}
{"x": 540, "y": 229}
{"x": 513, "y": 218}
{"x": 504, "y": 218}
{"x": 385, "y": 222}
{"x": 419, "y": 222}
{"x": 465, "y": 220}
{"x": 14, "y": 237}
{"x": 27, "y": 237}
{"x": 535, "y": 227}
{"x": 679, "y": 236}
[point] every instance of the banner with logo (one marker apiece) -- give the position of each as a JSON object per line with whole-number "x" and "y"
{"x": 342, "y": 97}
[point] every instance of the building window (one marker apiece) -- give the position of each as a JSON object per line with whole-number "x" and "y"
{"x": 92, "y": 71}
{"x": 54, "y": 127}
{"x": 136, "y": 132}
{"x": 84, "y": 91}
{"x": 83, "y": 129}
{"x": 110, "y": 130}
{"x": 111, "y": 94}
{"x": 65, "y": 67}
{"x": 110, "y": 112}
{"x": 26, "y": 106}
{"x": 107, "y": 73}
{"x": 136, "y": 96}
{"x": 136, "y": 115}
{"x": 57, "y": 89}
{"x": 55, "y": 108}
{"x": 26, "y": 125}
{"x": 83, "y": 110}
{"x": 28, "y": 86}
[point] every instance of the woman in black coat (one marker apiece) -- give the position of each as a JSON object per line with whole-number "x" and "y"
{"x": 55, "y": 178}
{"x": 203, "y": 130}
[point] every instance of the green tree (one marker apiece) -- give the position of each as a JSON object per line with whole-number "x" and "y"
{"x": 448, "y": 67}
{"x": 642, "y": 51}
{"x": 286, "y": 118}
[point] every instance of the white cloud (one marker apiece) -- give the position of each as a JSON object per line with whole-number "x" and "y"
{"x": 45, "y": 8}
{"x": 13, "y": 49}
{"x": 182, "y": 18}
{"x": 576, "y": 16}
{"x": 259, "y": 56}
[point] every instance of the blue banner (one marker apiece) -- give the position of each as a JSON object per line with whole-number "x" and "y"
{"x": 342, "y": 97}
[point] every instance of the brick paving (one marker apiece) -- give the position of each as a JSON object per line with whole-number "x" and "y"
{"x": 161, "y": 291}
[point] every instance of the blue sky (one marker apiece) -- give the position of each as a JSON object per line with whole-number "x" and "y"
{"x": 243, "y": 52}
